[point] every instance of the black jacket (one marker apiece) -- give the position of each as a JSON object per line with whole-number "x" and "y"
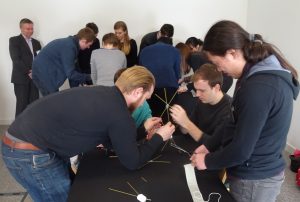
{"x": 262, "y": 111}
{"x": 22, "y": 58}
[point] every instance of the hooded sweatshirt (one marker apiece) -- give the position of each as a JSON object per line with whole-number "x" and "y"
{"x": 262, "y": 110}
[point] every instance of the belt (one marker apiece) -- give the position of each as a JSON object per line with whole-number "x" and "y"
{"x": 18, "y": 145}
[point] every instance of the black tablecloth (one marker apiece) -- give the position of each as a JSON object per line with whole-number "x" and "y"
{"x": 158, "y": 181}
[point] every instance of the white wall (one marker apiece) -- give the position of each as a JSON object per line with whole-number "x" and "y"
{"x": 60, "y": 18}
{"x": 278, "y": 22}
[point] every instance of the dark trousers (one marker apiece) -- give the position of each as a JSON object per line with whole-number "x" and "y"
{"x": 25, "y": 94}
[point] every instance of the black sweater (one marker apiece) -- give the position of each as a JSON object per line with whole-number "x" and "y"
{"x": 211, "y": 118}
{"x": 79, "y": 119}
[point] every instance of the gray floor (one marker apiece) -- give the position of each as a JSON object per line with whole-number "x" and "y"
{"x": 289, "y": 191}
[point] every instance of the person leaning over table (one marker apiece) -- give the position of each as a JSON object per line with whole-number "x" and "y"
{"x": 262, "y": 108}
{"x": 41, "y": 140}
{"x": 56, "y": 62}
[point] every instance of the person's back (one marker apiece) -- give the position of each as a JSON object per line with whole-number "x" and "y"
{"x": 49, "y": 62}
{"x": 84, "y": 56}
{"x": 163, "y": 60}
{"x": 167, "y": 30}
{"x": 56, "y": 62}
{"x": 148, "y": 39}
{"x": 101, "y": 100}
{"x": 105, "y": 62}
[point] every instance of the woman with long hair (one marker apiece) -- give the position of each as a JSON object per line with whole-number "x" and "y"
{"x": 127, "y": 45}
{"x": 262, "y": 109}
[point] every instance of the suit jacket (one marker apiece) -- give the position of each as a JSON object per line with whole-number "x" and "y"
{"x": 22, "y": 58}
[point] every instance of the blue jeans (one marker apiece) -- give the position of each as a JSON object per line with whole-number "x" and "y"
{"x": 44, "y": 175}
{"x": 264, "y": 190}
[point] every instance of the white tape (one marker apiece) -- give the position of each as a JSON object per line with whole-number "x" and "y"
{"x": 192, "y": 183}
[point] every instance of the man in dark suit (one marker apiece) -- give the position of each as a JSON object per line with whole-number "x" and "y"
{"x": 23, "y": 49}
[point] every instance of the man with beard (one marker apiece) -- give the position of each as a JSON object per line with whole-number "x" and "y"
{"x": 41, "y": 140}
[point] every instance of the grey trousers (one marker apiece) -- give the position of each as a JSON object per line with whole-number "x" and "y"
{"x": 265, "y": 190}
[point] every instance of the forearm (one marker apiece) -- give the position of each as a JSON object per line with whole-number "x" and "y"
{"x": 193, "y": 130}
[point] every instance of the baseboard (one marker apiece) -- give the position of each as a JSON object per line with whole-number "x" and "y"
{"x": 289, "y": 148}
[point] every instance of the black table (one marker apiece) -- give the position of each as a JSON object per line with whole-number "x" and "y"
{"x": 158, "y": 181}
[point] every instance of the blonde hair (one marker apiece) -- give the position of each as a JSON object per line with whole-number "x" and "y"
{"x": 124, "y": 46}
{"x": 135, "y": 77}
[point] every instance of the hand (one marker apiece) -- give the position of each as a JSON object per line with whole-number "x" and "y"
{"x": 152, "y": 122}
{"x": 182, "y": 89}
{"x": 180, "y": 80}
{"x": 30, "y": 74}
{"x": 179, "y": 116}
{"x": 198, "y": 161}
{"x": 166, "y": 131}
{"x": 201, "y": 149}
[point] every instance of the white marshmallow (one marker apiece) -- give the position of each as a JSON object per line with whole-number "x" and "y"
{"x": 141, "y": 198}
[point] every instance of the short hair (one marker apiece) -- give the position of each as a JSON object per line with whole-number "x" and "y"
{"x": 111, "y": 38}
{"x": 135, "y": 77}
{"x": 210, "y": 73}
{"x": 194, "y": 41}
{"x": 25, "y": 21}
{"x": 93, "y": 26}
{"x": 87, "y": 34}
{"x": 167, "y": 30}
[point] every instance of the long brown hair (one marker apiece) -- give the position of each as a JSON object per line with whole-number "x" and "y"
{"x": 225, "y": 35}
{"x": 124, "y": 46}
{"x": 185, "y": 54}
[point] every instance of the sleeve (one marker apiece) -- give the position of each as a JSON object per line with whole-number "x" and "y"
{"x": 253, "y": 109}
{"x": 97, "y": 44}
{"x": 123, "y": 136}
{"x": 133, "y": 51}
{"x": 148, "y": 111}
{"x": 124, "y": 61}
{"x": 177, "y": 65}
{"x": 214, "y": 142}
{"x": 16, "y": 56}
{"x": 68, "y": 61}
{"x": 143, "y": 44}
{"x": 227, "y": 83}
{"x": 93, "y": 69}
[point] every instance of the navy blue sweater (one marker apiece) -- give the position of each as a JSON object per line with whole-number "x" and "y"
{"x": 262, "y": 109}
{"x": 55, "y": 63}
{"x": 163, "y": 60}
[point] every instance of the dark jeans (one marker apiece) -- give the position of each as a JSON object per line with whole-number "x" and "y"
{"x": 44, "y": 175}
